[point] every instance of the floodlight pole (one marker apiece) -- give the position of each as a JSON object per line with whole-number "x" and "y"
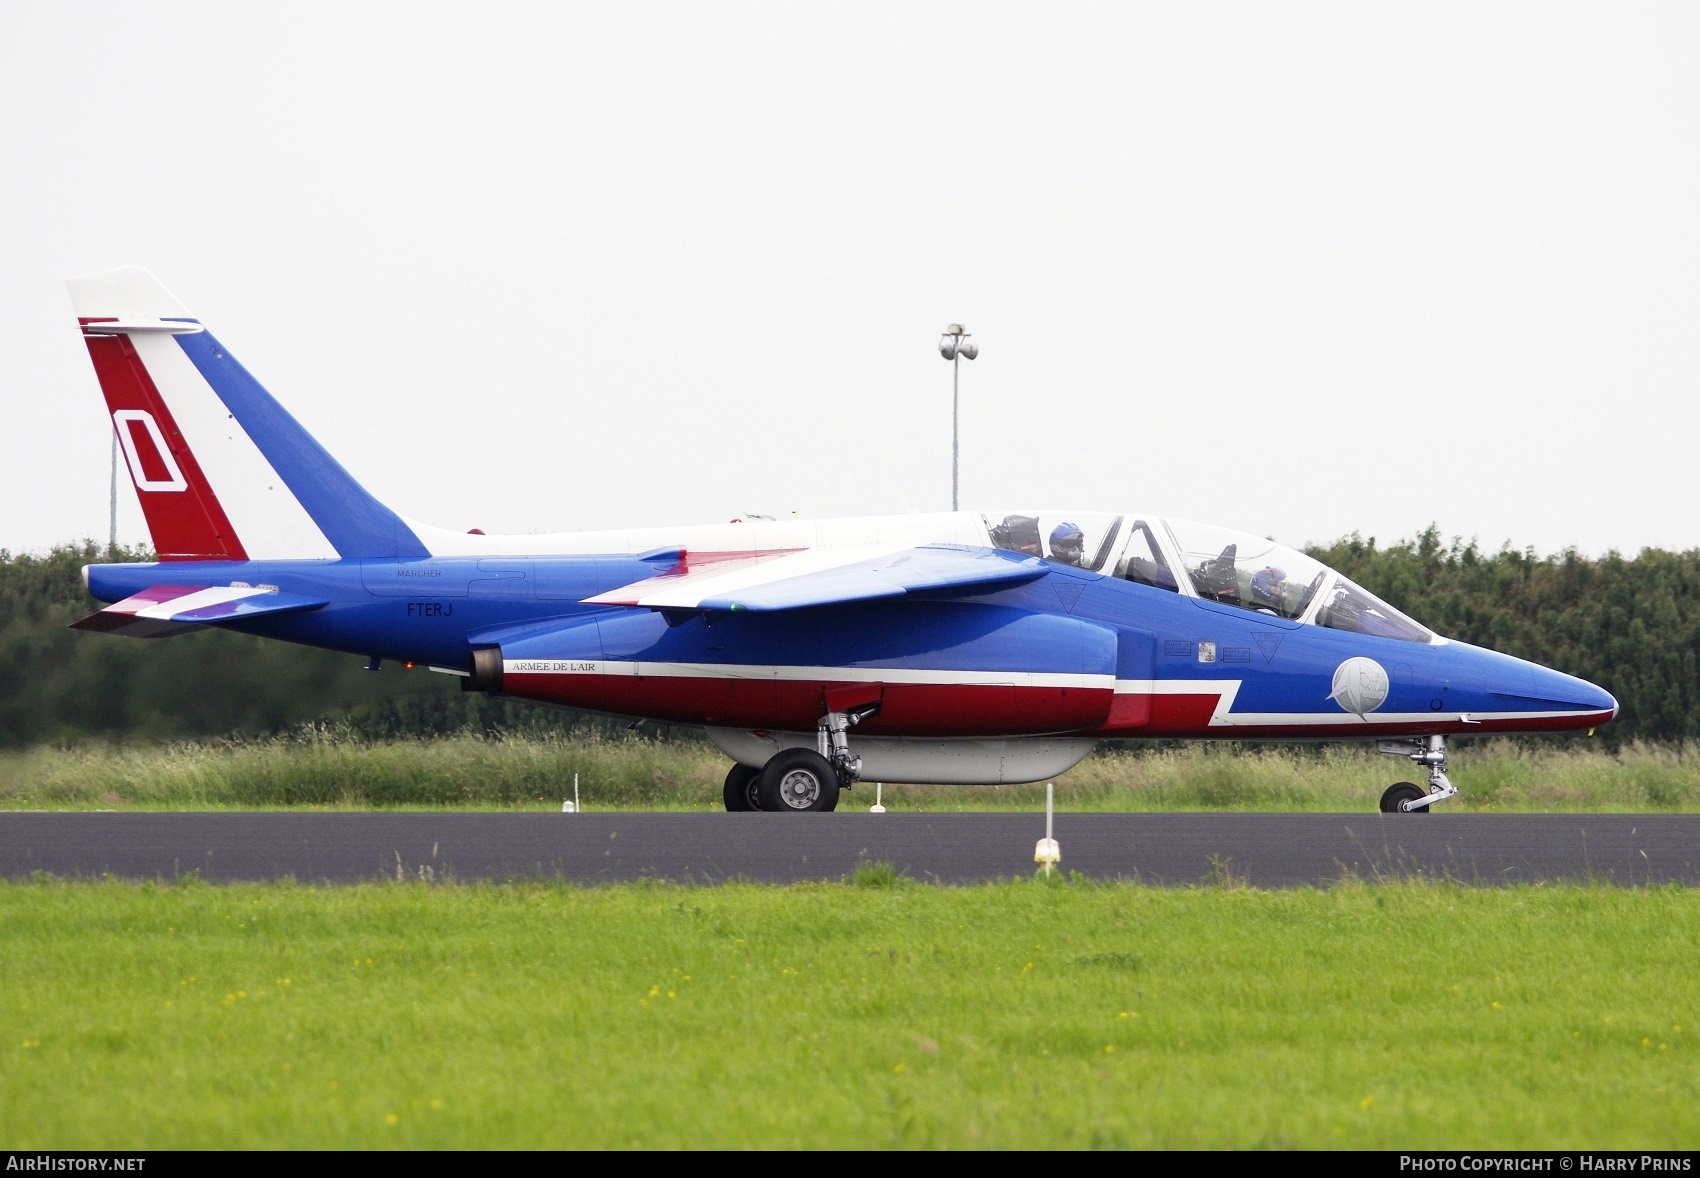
{"x": 955, "y": 419}
{"x": 955, "y": 345}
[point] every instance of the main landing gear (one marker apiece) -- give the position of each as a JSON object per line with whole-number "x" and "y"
{"x": 794, "y": 781}
{"x": 741, "y": 788}
{"x": 1406, "y": 797}
{"x": 801, "y": 781}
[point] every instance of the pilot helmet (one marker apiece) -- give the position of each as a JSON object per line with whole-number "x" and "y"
{"x": 1267, "y": 585}
{"x": 1068, "y": 542}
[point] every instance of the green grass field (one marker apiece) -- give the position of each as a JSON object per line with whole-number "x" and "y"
{"x": 326, "y": 768}
{"x": 1024, "y": 1014}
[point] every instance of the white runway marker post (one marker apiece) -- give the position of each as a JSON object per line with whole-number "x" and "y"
{"x": 1046, "y": 852}
{"x": 876, "y": 808}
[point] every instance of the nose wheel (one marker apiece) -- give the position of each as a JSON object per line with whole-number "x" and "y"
{"x": 1406, "y": 797}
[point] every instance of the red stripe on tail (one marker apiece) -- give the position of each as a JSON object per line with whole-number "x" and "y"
{"x": 183, "y": 514}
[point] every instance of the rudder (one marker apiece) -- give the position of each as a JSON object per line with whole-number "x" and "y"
{"x": 222, "y": 470}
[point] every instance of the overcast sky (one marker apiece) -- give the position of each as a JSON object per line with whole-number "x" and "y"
{"x": 1301, "y": 270}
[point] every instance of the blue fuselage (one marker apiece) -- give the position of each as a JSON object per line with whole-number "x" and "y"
{"x": 1146, "y": 661}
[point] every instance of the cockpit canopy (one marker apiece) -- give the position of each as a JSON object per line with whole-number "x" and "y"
{"x": 1204, "y": 561}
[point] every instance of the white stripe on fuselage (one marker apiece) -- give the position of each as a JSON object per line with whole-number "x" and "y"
{"x": 877, "y": 531}
{"x": 750, "y": 671}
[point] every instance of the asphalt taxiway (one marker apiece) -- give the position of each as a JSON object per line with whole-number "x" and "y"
{"x": 1264, "y": 850}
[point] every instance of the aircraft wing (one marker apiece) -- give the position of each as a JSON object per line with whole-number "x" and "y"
{"x": 163, "y": 610}
{"x": 829, "y": 576}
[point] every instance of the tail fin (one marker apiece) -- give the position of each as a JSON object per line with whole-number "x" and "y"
{"x": 222, "y": 470}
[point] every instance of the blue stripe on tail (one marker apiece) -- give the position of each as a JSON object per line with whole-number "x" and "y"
{"x": 355, "y": 523}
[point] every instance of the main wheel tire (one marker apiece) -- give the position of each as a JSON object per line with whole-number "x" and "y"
{"x": 741, "y": 789}
{"x": 798, "y": 781}
{"x": 1400, "y": 792}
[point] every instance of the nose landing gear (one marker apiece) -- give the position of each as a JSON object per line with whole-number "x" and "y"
{"x": 1405, "y": 797}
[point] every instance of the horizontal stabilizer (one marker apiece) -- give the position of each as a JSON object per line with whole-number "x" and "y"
{"x": 163, "y": 610}
{"x": 800, "y": 581}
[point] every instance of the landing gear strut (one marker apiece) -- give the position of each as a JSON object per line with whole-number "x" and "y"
{"x": 832, "y": 741}
{"x": 1407, "y": 798}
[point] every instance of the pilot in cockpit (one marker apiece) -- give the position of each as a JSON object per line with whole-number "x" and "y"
{"x": 1068, "y": 545}
{"x": 1269, "y": 590}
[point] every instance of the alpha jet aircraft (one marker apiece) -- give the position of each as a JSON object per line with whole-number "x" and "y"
{"x": 959, "y": 648}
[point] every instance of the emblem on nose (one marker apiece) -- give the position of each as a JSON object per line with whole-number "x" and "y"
{"x": 1360, "y": 685}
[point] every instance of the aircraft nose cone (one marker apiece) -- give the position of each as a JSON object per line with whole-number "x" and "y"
{"x": 1514, "y": 684}
{"x": 1599, "y": 697}
{"x": 1580, "y": 694}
